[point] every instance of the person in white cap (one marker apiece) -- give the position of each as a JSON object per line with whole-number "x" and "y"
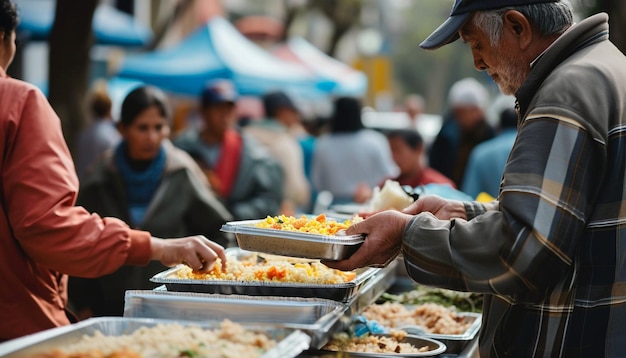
{"x": 464, "y": 128}
{"x": 550, "y": 253}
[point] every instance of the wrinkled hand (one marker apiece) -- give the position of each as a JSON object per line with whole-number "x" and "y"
{"x": 382, "y": 242}
{"x": 442, "y": 209}
{"x": 197, "y": 252}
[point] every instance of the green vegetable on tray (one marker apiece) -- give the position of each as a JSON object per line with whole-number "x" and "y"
{"x": 463, "y": 301}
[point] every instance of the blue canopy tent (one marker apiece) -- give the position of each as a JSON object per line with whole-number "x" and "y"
{"x": 218, "y": 50}
{"x": 110, "y": 26}
{"x": 348, "y": 81}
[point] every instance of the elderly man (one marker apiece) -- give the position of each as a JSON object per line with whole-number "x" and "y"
{"x": 549, "y": 254}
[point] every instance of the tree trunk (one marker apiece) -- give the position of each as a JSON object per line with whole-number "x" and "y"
{"x": 617, "y": 19}
{"x": 70, "y": 42}
{"x": 617, "y": 12}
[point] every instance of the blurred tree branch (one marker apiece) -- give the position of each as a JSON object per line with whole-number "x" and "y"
{"x": 70, "y": 43}
{"x": 343, "y": 14}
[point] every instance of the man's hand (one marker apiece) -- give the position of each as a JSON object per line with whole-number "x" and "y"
{"x": 197, "y": 252}
{"x": 382, "y": 242}
{"x": 442, "y": 209}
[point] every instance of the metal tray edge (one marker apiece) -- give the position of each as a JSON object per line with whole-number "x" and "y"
{"x": 290, "y": 346}
{"x": 245, "y": 227}
{"x": 161, "y": 278}
{"x": 469, "y": 334}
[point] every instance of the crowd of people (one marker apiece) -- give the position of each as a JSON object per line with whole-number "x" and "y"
{"x": 140, "y": 182}
{"x": 191, "y": 182}
{"x": 546, "y": 253}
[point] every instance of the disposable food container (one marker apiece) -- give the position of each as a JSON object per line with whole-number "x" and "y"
{"x": 290, "y": 342}
{"x": 316, "y": 317}
{"x": 292, "y": 243}
{"x": 342, "y": 292}
{"x": 435, "y": 349}
{"x": 455, "y": 342}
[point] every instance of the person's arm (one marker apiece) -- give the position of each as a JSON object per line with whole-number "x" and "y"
{"x": 528, "y": 244}
{"x": 39, "y": 186}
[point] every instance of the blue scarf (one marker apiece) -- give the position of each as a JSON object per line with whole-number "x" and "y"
{"x": 140, "y": 185}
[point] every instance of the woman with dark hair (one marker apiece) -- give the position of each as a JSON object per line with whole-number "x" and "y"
{"x": 150, "y": 184}
{"x": 351, "y": 158}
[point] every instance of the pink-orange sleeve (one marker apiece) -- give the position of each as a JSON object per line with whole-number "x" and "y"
{"x": 40, "y": 186}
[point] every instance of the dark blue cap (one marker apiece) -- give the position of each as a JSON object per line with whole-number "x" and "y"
{"x": 273, "y": 101}
{"x": 219, "y": 91}
{"x": 448, "y": 32}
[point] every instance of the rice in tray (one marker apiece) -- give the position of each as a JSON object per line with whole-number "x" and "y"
{"x": 431, "y": 317}
{"x": 374, "y": 344}
{"x": 275, "y": 269}
{"x": 170, "y": 341}
{"x": 319, "y": 225}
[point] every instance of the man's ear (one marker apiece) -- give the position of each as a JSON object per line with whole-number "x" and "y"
{"x": 519, "y": 27}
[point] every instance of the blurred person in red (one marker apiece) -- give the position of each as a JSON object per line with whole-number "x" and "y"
{"x": 43, "y": 236}
{"x": 244, "y": 175}
{"x": 151, "y": 185}
{"x": 407, "y": 150}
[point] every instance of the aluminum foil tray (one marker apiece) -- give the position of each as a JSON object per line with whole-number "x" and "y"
{"x": 290, "y": 243}
{"x": 337, "y": 292}
{"x": 435, "y": 349}
{"x": 291, "y": 342}
{"x": 316, "y": 317}
{"x": 455, "y": 342}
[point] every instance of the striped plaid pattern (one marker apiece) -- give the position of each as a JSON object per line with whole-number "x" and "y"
{"x": 550, "y": 255}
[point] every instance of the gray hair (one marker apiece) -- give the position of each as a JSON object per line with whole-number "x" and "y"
{"x": 551, "y": 18}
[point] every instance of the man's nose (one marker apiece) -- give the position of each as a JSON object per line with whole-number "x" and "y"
{"x": 479, "y": 64}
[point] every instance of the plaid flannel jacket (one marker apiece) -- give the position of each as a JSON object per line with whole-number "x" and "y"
{"x": 550, "y": 255}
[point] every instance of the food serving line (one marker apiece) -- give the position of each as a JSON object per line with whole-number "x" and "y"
{"x": 302, "y": 318}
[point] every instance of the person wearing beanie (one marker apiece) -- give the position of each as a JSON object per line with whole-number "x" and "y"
{"x": 464, "y": 128}
{"x": 549, "y": 254}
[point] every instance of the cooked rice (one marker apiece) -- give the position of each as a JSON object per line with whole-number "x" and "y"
{"x": 275, "y": 269}
{"x": 374, "y": 344}
{"x": 170, "y": 341}
{"x": 433, "y": 318}
{"x": 319, "y": 225}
